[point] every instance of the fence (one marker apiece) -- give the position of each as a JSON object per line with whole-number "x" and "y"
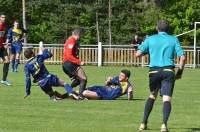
{"x": 105, "y": 55}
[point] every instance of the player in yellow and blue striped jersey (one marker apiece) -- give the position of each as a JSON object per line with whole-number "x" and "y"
{"x": 114, "y": 88}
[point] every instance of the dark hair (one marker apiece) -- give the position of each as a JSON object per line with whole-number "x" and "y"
{"x": 2, "y": 13}
{"x": 77, "y": 31}
{"x": 28, "y": 53}
{"x": 163, "y": 25}
{"x": 15, "y": 21}
{"x": 126, "y": 72}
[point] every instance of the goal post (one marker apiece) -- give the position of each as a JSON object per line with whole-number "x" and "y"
{"x": 194, "y": 65}
{"x": 195, "y": 43}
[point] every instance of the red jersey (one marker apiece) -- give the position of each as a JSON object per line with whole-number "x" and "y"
{"x": 2, "y": 34}
{"x": 71, "y": 51}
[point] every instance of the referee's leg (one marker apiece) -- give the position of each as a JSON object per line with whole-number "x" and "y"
{"x": 154, "y": 84}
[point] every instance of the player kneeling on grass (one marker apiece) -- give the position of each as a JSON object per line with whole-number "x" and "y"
{"x": 114, "y": 88}
{"x": 35, "y": 67}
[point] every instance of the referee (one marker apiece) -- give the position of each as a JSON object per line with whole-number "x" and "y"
{"x": 161, "y": 48}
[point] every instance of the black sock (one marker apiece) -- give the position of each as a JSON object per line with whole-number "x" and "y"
{"x": 82, "y": 86}
{"x": 5, "y": 71}
{"x": 75, "y": 83}
{"x": 147, "y": 109}
{"x": 166, "y": 111}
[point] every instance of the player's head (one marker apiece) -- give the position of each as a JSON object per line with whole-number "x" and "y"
{"x": 16, "y": 23}
{"x": 77, "y": 33}
{"x": 2, "y": 17}
{"x": 28, "y": 53}
{"x": 162, "y": 26}
{"x": 124, "y": 75}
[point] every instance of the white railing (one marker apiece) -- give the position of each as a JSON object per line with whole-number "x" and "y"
{"x": 106, "y": 55}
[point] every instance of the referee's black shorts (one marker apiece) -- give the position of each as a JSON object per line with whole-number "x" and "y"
{"x": 162, "y": 79}
{"x": 70, "y": 68}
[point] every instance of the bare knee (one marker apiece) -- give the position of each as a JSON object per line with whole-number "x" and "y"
{"x": 151, "y": 96}
{"x": 166, "y": 98}
{"x": 85, "y": 92}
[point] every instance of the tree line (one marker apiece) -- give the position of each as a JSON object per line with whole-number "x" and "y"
{"x": 109, "y": 21}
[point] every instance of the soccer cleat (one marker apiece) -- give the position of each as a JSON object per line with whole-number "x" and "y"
{"x": 6, "y": 83}
{"x": 54, "y": 98}
{"x": 142, "y": 127}
{"x": 164, "y": 128}
{"x": 82, "y": 97}
{"x": 15, "y": 70}
{"x": 73, "y": 96}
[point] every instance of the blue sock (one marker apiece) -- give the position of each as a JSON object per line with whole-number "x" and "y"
{"x": 68, "y": 88}
{"x": 13, "y": 64}
{"x": 16, "y": 64}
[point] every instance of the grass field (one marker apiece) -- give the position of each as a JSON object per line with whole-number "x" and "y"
{"x": 39, "y": 114}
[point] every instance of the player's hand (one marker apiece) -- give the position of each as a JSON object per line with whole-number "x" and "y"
{"x": 108, "y": 80}
{"x": 43, "y": 48}
{"x": 179, "y": 74}
{"x": 7, "y": 45}
{"x": 82, "y": 63}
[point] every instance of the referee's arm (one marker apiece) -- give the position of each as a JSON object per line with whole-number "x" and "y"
{"x": 143, "y": 48}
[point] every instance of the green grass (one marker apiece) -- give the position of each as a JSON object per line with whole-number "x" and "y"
{"x": 39, "y": 114}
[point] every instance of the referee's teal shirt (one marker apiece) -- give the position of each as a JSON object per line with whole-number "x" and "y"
{"x": 161, "y": 48}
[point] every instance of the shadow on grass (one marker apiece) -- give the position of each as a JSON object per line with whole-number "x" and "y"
{"x": 186, "y": 129}
{"x": 135, "y": 99}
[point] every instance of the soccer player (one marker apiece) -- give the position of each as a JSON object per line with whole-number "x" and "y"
{"x": 3, "y": 49}
{"x": 72, "y": 64}
{"x": 161, "y": 48}
{"x": 35, "y": 67}
{"x": 115, "y": 87}
{"x": 15, "y": 37}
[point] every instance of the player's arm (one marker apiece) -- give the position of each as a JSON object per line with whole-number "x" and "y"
{"x": 9, "y": 36}
{"x": 180, "y": 53}
{"x": 143, "y": 48}
{"x": 28, "y": 81}
{"x": 68, "y": 48}
{"x": 130, "y": 92}
{"x": 46, "y": 54}
{"x": 108, "y": 81}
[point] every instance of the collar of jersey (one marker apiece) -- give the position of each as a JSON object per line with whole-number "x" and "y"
{"x": 164, "y": 33}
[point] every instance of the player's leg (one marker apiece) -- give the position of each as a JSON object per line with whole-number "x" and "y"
{"x": 69, "y": 69}
{"x": 5, "y": 67}
{"x": 75, "y": 82}
{"x": 12, "y": 57}
{"x": 83, "y": 80}
{"x": 68, "y": 89}
{"x": 90, "y": 94}
{"x": 46, "y": 87}
{"x": 154, "y": 85}
{"x": 167, "y": 86}
{"x": 55, "y": 81}
{"x": 17, "y": 58}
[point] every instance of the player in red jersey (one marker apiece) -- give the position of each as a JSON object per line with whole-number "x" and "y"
{"x": 72, "y": 64}
{"x": 3, "y": 49}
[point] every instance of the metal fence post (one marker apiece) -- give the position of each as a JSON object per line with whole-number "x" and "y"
{"x": 99, "y": 54}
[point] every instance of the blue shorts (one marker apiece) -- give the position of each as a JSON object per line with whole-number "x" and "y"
{"x": 47, "y": 83}
{"x": 16, "y": 48}
{"x": 104, "y": 92}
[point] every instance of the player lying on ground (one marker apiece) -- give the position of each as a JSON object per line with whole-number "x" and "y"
{"x": 35, "y": 67}
{"x": 114, "y": 88}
